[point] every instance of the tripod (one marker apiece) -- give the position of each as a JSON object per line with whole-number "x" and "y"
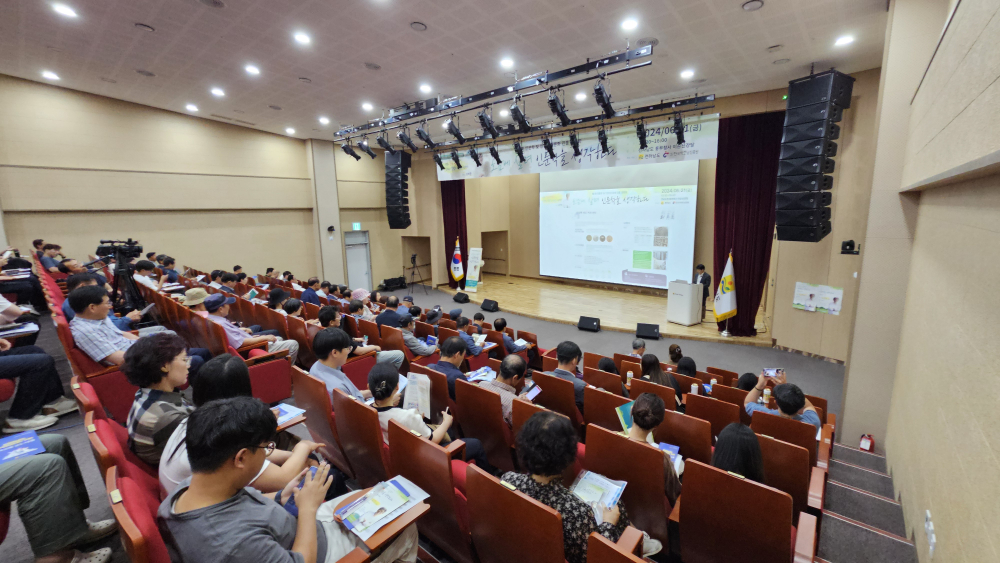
{"x": 413, "y": 277}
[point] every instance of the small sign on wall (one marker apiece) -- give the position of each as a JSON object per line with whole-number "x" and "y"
{"x": 355, "y": 226}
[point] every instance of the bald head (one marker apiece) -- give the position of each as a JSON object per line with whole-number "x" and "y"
{"x": 512, "y": 368}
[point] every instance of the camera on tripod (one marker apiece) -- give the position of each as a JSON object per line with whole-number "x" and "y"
{"x": 413, "y": 259}
{"x": 123, "y": 250}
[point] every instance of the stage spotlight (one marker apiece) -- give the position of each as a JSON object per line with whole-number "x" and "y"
{"x": 475, "y": 156}
{"x": 437, "y": 160}
{"x": 547, "y": 143}
{"x": 640, "y": 131}
{"x": 518, "y": 116}
{"x": 453, "y": 129}
{"x": 602, "y": 136}
{"x": 454, "y": 158}
{"x": 347, "y": 148}
{"x": 556, "y": 105}
{"x": 487, "y": 123}
{"x": 603, "y": 99}
{"x": 679, "y": 128}
{"x": 384, "y": 143}
{"x": 496, "y": 155}
{"x": 363, "y": 145}
{"x": 574, "y": 141}
{"x": 405, "y": 139}
{"x": 519, "y": 150}
{"x": 425, "y": 136}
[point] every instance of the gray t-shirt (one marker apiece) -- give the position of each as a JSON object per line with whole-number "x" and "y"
{"x": 246, "y": 527}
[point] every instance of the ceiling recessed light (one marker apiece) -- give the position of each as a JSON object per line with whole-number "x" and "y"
{"x": 844, "y": 40}
{"x": 218, "y": 92}
{"x": 252, "y": 69}
{"x": 504, "y": 113}
{"x": 366, "y": 106}
{"x": 302, "y": 38}
{"x": 145, "y": 73}
{"x": 630, "y": 24}
{"x": 324, "y": 120}
{"x": 289, "y": 130}
{"x": 687, "y": 74}
{"x": 418, "y": 26}
{"x": 581, "y": 96}
{"x": 191, "y": 107}
{"x": 64, "y": 10}
{"x": 425, "y": 88}
{"x": 444, "y": 125}
{"x": 145, "y": 27}
{"x": 753, "y": 5}
{"x": 780, "y": 61}
{"x": 49, "y": 75}
{"x": 507, "y": 63}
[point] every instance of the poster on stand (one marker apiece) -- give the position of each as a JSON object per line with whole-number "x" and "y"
{"x": 475, "y": 261}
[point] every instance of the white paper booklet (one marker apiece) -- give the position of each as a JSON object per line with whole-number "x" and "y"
{"x": 598, "y": 491}
{"x": 417, "y": 394}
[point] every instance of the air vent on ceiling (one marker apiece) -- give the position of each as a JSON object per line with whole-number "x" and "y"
{"x": 780, "y": 61}
{"x": 217, "y": 116}
{"x": 652, "y": 41}
{"x": 213, "y": 3}
{"x": 275, "y": 108}
{"x": 145, "y": 72}
{"x": 238, "y": 111}
{"x": 699, "y": 81}
{"x": 373, "y": 66}
{"x": 244, "y": 122}
{"x": 108, "y": 80}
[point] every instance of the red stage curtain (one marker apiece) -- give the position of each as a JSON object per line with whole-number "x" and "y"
{"x": 453, "y": 206}
{"x": 745, "y": 176}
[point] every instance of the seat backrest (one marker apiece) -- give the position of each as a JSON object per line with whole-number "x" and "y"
{"x": 633, "y": 365}
{"x": 482, "y": 418}
{"x": 558, "y": 395}
{"x": 728, "y": 376}
{"x": 706, "y": 377}
{"x": 447, "y": 323}
{"x": 590, "y": 360}
{"x": 605, "y": 380}
{"x": 423, "y": 330}
{"x": 439, "y": 390}
{"x": 640, "y": 386}
{"x": 791, "y": 431}
{"x": 137, "y": 523}
{"x": 81, "y": 363}
{"x": 113, "y": 450}
{"x": 392, "y": 339}
{"x": 686, "y": 382}
{"x": 719, "y": 414}
{"x": 549, "y": 363}
{"x": 821, "y": 407}
{"x": 602, "y": 550}
{"x": 350, "y": 325}
{"x": 86, "y": 397}
{"x": 371, "y": 330}
{"x": 311, "y": 311}
{"x": 692, "y": 435}
{"x": 727, "y": 518}
{"x": 275, "y": 321}
{"x": 521, "y": 411}
{"x": 445, "y": 333}
{"x": 734, "y": 396}
{"x": 619, "y": 358}
{"x": 599, "y": 408}
{"x": 492, "y": 509}
{"x": 297, "y": 332}
{"x": 361, "y": 437}
{"x": 115, "y": 393}
{"x": 786, "y": 468}
{"x": 429, "y": 467}
{"x": 311, "y": 395}
{"x": 641, "y": 466}
{"x": 356, "y": 369}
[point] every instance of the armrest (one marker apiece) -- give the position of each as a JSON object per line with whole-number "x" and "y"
{"x": 455, "y": 450}
{"x": 105, "y": 371}
{"x": 248, "y": 347}
{"x": 824, "y": 446}
{"x": 265, "y": 358}
{"x": 361, "y": 357}
{"x": 630, "y": 542}
{"x": 805, "y": 539}
{"x": 675, "y": 514}
{"x": 356, "y": 556}
{"x": 817, "y": 488}
{"x": 831, "y": 419}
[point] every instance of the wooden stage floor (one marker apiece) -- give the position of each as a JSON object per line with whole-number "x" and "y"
{"x": 619, "y": 311}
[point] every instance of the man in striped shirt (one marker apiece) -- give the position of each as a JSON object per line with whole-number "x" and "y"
{"x": 512, "y": 370}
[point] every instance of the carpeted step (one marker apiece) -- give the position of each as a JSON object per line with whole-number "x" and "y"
{"x": 860, "y": 458}
{"x": 861, "y": 478}
{"x": 842, "y": 540}
{"x": 876, "y": 511}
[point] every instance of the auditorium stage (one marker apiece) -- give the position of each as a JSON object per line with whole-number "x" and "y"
{"x": 618, "y": 310}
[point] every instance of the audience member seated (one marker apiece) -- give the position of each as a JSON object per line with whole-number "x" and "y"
{"x": 238, "y": 272}
{"x": 288, "y": 276}
{"x": 311, "y": 293}
{"x": 452, "y": 355}
{"x": 652, "y": 371}
{"x": 738, "y": 450}
{"x": 417, "y": 346}
{"x": 39, "y": 245}
{"x": 217, "y": 306}
{"x": 169, "y": 269}
{"x": 377, "y": 297}
{"x": 792, "y": 402}
{"x": 294, "y": 308}
{"x": 332, "y": 347}
{"x": 228, "y": 282}
{"x": 224, "y": 377}
{"x": 39, "y": 399}
{"x": 546, "y": 446}
{"x": 479, "y": 323}
{"x": 49, "y": 259}
{"x": 10, "y": 314}
{"x": 123, "y": 323}
{"x": 686, "y": 366}
{"x": 215, "y": 278}
{"x": 638, "y": 348}
{"x": 28, "y": 290}
{"x": 647, "y": 413}
{"x": 569, "y": 355}
{"x": 415, "y": 311}
{"x": 51, "y": 496}
{"x": 329, "y": 317}
{"x": 389, "y": 317}
{"x": 214, "y": 516}
{"x": 747, "y": 381}
{"x": 144, "y": 269}
{"x": 327, "y": 289}
{"x": 158, "y": 366}
{"x": 454, "y": 314}
{"x": 151, "y": 256}
{"x": 269, "y": 272}
{"x": 70, "y": 266}
{"x": 675, "y": 353}
{"x": 474, "y": 350}
{"x": 276, "y": 299}
{"x": 433, "y": 316}
{"x": 512, "y": 371}
{"x": 500, "y": 325}
{"x": 608, "y": 365}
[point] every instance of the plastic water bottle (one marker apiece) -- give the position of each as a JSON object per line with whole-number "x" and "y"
{"x": 628, "y": 380}
{"x": 694, "y": 388}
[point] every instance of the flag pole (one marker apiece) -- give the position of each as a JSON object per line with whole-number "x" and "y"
{"x": 725, "y": 331}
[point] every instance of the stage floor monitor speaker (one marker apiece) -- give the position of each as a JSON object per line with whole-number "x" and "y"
{"x": 461, "y": 297}
{"x": 490, "y": 305}
{"x": 591, "y": 324}
{"x": 644, "y": 330}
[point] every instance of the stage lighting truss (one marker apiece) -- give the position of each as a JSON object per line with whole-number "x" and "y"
{"x": 437, "y": 160}
{"x": 679, "y": 128}
{"x": 547, "y": 143}
{"x": 602, "y": 136}
{"x": 486, "y": 121}
{"x": 363, "y": 145}
{"x": 454, "y": 158}
{"x": 519, "y": 151}
{"x": 475, "y": 156}
{"x": 347, "y": 148}
{"x": 495, "y": 154}
{"x": 603, "y": 99}
{"x": 574, "y": 142}
{"x": 517, "y": 114}
{"x": 424, "y": 136}
{"x": 405, "y": 139}
{"x": 640, "y": 131}
{"x": 557, "y": 108}
{"x": 384, "y": 143}
{"x": 452, "y": 126}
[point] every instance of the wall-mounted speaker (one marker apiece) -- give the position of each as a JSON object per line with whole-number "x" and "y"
{"x": 804, "y": 234}
{"x": 397, "y": 203}
{"x": 802, "y": 200}
{"x": 805, "y": 182}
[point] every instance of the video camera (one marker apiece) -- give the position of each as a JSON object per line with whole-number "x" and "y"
{"x": 120, "y": 249}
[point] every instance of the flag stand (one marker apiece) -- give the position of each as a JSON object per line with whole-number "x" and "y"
{"x": 725, "y": 331}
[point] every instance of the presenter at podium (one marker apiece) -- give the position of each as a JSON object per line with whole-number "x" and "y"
{"x": 706, "y": 280}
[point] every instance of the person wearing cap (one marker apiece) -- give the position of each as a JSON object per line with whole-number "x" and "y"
{"x": 217, "y": 306}
{"x": 194, "y": 299}
{"x": 454, "y": 314}
{"x": 406, "y": 325}
{"x": 389, "y": 317}
{"x": 365, "y": 297}
{"x": 463, "y": 322}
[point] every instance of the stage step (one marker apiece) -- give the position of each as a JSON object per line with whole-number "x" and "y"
{"x": 876, "y": 511}
{"x": 860, "y": 478}
{"x": 842, "y": 540}
{"x": 860, "y": 458}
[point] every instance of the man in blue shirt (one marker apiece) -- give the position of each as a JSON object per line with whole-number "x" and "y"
{"x": 500, "y": 325}
{"x": 49, "y": 253}
{"x": 568, "y": 354}
{"x": 452, "y": 355}
{"x": 462, "y": 323}
{"x": 78, "y": 280}
{"x": 792, "y": 402}
{"x": 389, "y": 317}
{"x": 309, "y": 294}
{"x": 168, "y": 268}
{"x": 332, "y": 346}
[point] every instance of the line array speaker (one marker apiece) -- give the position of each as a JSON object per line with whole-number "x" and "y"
{"x": 397, "y": 203}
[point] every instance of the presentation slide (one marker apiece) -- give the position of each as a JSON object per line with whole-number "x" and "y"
{"x": 630, "y": 225}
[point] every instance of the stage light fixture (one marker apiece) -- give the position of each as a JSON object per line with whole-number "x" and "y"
{"x": 405, "y": 139}
{"x": 454, "y": 158}
{"x": 602, "y": 136}
{"x": 557, "y": 108}
{"x": 384, "y": 143}
{"x": 574, "y": 142}
{"x": 547, "y": 143}
{"x": 496, "y": 155}
{"x": 603, "y": 99}
{"x": 679, "y": 128}
{"x": 519, "y": 118}
{"x": 347, "y": 148}
{"x": 453, "y": 129}
{"x": 363, "y": 145}
{"x": 475, "y": 156}
{"x": 437, "y": 160}
{"x": 425, "y": 136}
{"x": 519, "y": 150}
{"x": 487, "y": 123}
{"x": 640, "y": 131}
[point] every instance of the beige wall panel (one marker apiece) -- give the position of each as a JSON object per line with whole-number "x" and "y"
{"x": 365, "y": 170}
{"x": 426, "y": 214}
{"x": 384, "y": 244}
{"x": 704, "y": 230}
{"x": 421, "y": 246}
{"x": 42, "y": 125}
{"x": 361, "y": 195}
{"x": 524, "y": 225}
{"x": 473, "y": 216}
{"x": 495, "y": 252}
{"x": 495, "y": 204}
{"x": 254, "y": 239}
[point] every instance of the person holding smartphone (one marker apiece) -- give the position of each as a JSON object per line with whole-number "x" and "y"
{"x": 792, "y": 402}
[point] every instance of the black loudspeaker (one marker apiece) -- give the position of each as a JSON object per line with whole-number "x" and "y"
{"x": 812, "y": 130}
{"x": 804, "y": 234}
{"x": 397, "y": 203}
{"x": 803, "y": 217}
{"x": 825, "y": 87}
{"x": 802, "y": 200}
{"x": 808, "y": 165}
{"x": 812, "y": 147}
{"x": 814, "y": 112}
{"x": 490, "y": 305}
{"x": 643, "y": 330}
{"x": 592, "y": 324}
{"x": 804, "y": 183}
{"x": 392, "y": 284}
{"x": 460, "y": 297}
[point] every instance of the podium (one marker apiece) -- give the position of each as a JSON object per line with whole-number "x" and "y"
{"x": 684, "y": 303}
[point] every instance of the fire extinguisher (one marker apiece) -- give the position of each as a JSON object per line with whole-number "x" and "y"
{"x": 867, "y": 443}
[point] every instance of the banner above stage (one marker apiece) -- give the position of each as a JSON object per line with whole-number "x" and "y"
{"x": 701, "y": 140}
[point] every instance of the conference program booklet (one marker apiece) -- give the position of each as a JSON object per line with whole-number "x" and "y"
{"x": 598, "y": 491}
{"x": 20, "y": 446}
{"x": 286, "y": 412}
{"x": 675, "y": 456}
{"x": 385, "y": 502}
{"x": 625, "y": 415}
{"x": 17, "y": 329}
{"x": 417, "y": 394}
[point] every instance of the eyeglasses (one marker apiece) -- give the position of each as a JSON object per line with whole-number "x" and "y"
{"x": 268, "y": 448}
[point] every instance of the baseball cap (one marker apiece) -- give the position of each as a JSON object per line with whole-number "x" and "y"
{"x": 405, "y": 319}
{"x": 215, "y": 301}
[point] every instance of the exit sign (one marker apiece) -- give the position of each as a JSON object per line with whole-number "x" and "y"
{"x": 355, "y": 226}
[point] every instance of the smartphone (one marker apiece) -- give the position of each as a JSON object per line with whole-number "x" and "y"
{"x": 533, "y": 392}
{"x": 772, "y": 372}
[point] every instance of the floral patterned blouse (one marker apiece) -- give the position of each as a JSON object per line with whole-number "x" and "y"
{"x": 577, "y": 516}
